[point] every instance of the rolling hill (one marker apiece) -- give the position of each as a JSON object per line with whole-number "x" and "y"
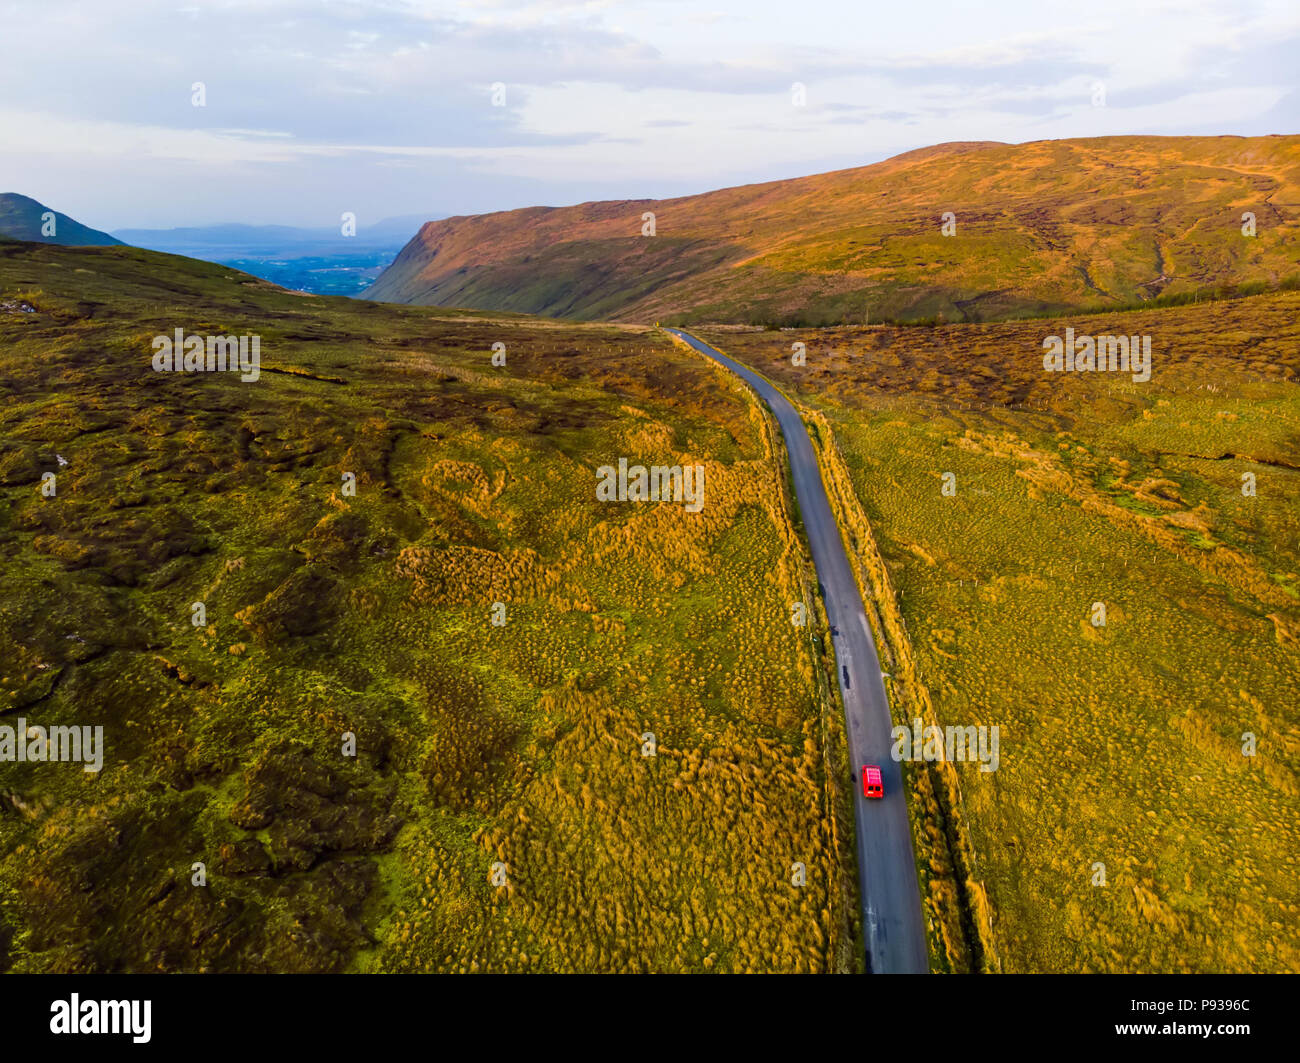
{"x": 1041, "y": 227}
{"x": 22, "y": 218}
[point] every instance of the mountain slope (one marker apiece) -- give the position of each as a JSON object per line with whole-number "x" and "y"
{"x": 21, "y": 218}
{"x": 1050, "y": 225}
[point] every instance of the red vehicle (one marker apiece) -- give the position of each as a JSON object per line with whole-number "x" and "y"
{"x": 872, "y": 786}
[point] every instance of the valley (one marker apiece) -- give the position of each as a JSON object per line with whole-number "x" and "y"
{"x": 406, "y": 730}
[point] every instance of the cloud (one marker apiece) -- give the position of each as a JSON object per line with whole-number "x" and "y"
{"x": 384, "y": 103}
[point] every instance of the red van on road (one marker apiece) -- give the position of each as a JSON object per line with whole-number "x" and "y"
{"x": 871, "y": 783}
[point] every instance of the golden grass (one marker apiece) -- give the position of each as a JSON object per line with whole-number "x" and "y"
{"x": 1121, "y": 744}
{"x": 329, "y": 613}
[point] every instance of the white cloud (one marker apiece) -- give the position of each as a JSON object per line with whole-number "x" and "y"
{"x": 387, "y": 104}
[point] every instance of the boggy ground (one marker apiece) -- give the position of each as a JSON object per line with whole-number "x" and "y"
{"x": 483, "y": 752}
{"x": 1121, "y": 745}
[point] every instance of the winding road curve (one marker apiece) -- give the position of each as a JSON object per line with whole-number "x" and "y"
{"x": 892, "y": 925}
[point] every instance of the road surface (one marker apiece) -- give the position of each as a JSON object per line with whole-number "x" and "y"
{"x": 893, "y": 929}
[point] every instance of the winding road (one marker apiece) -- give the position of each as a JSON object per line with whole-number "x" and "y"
{"x": 893, "y": 928}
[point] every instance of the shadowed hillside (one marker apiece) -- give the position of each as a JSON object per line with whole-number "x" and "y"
{"x": 1051, "y": 225}
{"x": 22, "y": 218}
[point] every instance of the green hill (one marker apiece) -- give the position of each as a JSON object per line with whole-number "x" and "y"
{"x": 23, "y": 218}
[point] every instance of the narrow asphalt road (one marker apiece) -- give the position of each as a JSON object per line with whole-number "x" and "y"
{"x": 892, "y": 925}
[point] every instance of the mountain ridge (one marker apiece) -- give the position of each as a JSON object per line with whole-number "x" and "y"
{"x": 1051, "y": 225}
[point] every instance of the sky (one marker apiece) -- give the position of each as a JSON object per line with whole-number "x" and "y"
{"x": 313, "y": 108}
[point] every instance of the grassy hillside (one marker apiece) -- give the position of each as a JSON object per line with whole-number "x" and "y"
{"x": 1039, "y": 227}
{"x": 1121, "y": 743}
{"x": 326, "y": 614}
{"x": 22, "y": 218}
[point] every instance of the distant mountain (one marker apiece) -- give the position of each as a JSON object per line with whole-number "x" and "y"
{"x": 231, "y": 241}
{"x": 321, "y": 261}
{"x": 1054, "y": 225}
{"x": 23, "y": 218}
